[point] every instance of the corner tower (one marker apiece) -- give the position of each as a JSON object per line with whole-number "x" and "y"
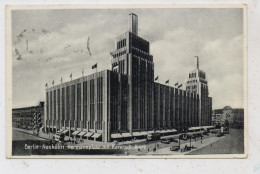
{"x": 131, "y": 56}
{"x": 197, "y": 83}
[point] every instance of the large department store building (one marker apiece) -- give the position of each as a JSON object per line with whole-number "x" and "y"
{"x": 126, "y": 102}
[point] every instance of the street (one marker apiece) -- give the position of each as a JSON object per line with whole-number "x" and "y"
{"x": 211, "y": 144}
{"x": 233, "y": 143}
{"x": 20, "y": 136}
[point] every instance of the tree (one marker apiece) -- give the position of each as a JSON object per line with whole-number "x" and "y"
{"x": 226, "y": 123}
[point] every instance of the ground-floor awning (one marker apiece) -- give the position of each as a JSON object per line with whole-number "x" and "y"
{"x": 82, "y": 133}
{"x": 89, "y": 134}
{"x": 207, "y": 127}
{"x": 96, "y": 135}
{"x": 140, "y": 134}
{"x": 65, "y": 131}
{"x": 137, "y": 134}
{"x": 158, "y": 131}
{"x": 125, "y": 135}
{"x": 75, "y": 133}
{"x": 173, "y": 130}
{"x": 144, "y": 133}
{"x": 60, "y": 131}
{"x": 164, "y": 131}
{"x": 150, "y": 132}
{"x": 117, "y": 135}
{"x": 168, "y": 131}
{"x": 194, "y": 128}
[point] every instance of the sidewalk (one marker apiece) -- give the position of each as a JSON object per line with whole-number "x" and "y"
{"x": 41, "y": 134}
{"x": 197, "y": 145}
{"x": 131, "y": 142}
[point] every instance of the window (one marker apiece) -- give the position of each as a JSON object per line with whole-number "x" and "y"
{"x": 121, "y": 43}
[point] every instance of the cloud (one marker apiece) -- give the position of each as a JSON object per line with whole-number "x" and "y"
{"x": 221, "y": 59}
{"x": 174, "y": 54}
{"x": 175, "y": 36}
{"x": 47, "y": 59}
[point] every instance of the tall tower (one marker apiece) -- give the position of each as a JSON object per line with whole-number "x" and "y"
{"x": 197, "y": 83}
{"x": 133, "y": 23}
{"x": 132, "y": 58}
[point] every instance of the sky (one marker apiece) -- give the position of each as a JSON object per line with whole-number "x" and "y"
{"x": 58, "y": 42}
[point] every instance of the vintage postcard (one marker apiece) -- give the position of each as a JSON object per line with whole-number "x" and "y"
{"x": 126, "y": 81}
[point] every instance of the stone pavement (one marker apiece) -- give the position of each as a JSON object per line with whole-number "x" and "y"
{"x": 31, "y": 132}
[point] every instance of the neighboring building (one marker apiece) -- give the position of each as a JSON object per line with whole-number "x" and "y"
{"x": 234, "y": 117}
{"x": 197, "y": 83}
{"x": 124, "y": 102}
{"x": 24, "y": 117}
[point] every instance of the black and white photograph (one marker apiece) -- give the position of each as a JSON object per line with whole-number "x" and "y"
{"x": 127, "y": 82}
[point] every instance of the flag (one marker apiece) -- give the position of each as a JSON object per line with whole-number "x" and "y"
{"x": 94, "y": 66}
{"x": 111, "y": 54}
{"x": 46, "y": 84}
{"x": 61, "y": 79}
{"x": 180, "y": 86}
{"x": 82, "y": 71}
{"x": 53, "y": 82}
{"x": 156, "y": 78}
{"x": 176, "y": 84}
{"x": 167, "y": 82}
{"x": 70, "y": 75}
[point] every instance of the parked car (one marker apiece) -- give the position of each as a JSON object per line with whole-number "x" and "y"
{"x": 194, "y": 136}
{"x": 174, "y": 140}
{"x": 59, "y": 137}
{"x": 226, "y": 132}
{"x": 205, "y": 133}
{"x": 165, "y": 141}
{"x": 220, "y": 134}
{"x": 174, "y": 148}
{"x": 214, "y": 131}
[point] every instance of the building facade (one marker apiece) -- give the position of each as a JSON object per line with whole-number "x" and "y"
{"x": 197, "y": 83}
{"x": 123, "y": 102}
{"x": 233, "y": 116}
{"x": 24, "y": 117}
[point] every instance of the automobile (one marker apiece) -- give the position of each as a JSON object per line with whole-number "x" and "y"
{"x": 194, "y": 136}
{"x": 226, "y": 132}
{"x": 214, "y": 131}
{"x": 205, "y": 133}
{"x": 165, "y": 141}
{"x": 59, "y": 137}
{"x": 220, "y": 134}
{"x": 174, "y": 140}
{"x": 174, "y": 148}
